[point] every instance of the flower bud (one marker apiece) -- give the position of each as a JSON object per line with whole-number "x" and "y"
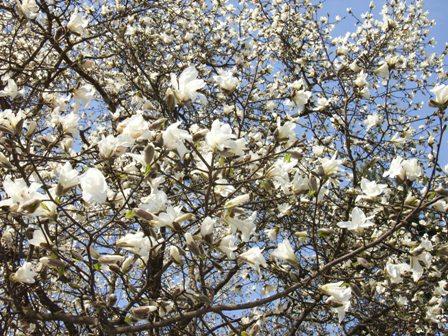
{"x": 149, "y": 153}
{"x": 143, "y": 214}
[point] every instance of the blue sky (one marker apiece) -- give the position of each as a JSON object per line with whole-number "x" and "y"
{"x": 437, "y": 9}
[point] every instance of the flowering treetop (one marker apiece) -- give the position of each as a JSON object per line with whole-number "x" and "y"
{"x": 207, "y": 167}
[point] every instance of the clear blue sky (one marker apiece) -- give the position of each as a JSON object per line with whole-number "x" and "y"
{"x": 438, "y": 10}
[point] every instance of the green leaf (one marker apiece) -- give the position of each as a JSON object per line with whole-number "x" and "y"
{"x": 311, "y": 193}
{"x": 287, "y": 157}
{"x": 148, "y": 169}
{"x": 129, "y": 214}
{"x": 97, "y": 266}
{"x": 43, "y": 205}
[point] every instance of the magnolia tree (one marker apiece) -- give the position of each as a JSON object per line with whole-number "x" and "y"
{"x": 221, "y": 168}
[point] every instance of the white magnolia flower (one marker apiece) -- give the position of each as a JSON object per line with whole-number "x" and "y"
{"x": 395, "y": 271}
{"x": 220, "y": 136}
{"x": 68, "y": 177}
{"x": 434, "y": 313}
{"x": 254, "y": 257}
{"x": 412, "y": 169}
{"x": 441, "y": 93}
{"x": 395, "y": 169}
{"x": 77, "y": 23}
{"x": 207, "y": 226}
{"x": 284, "y": 251}
{"x": 39, "y": 237}
{"x": 416, "y": 264}
{"x": 284, "y": 209}
{"x": 382, "y": 70}
{"x": 300, "y": 96}
{"x": 10, "y": 90}
{"x": 137, "y": 243}
{"x": 83, "y": 95}
{"x": 94, "y": 186}
{"x": 155, "y": 202}
{"x": 135, "y": 127}
{"x": 272, "y": 233}
{"x": 237, "y": 201}
{"x": 245, "y": 226}
{"x": 340, "y": 296}
{"x": 114, "y": 146}
{"x": 11, "y": 120}
{"x": 21, "y": 196}
{"x": 69, "y": 123}
{"x": 237, "y": 147}
{"x": 279, "y": 173}
{"x": 371, "y": 189}
{"x": 187, "y": 86}
{"x": 440, "y": 205}
{"x": 421, "y": 255}
{"x": 330, "y": 165}
{"x": 174, "y": 138}
{"x": 28, "y": 8}
{"x": 287, "y": 130}
{"x": 223, "y": 188}
{"x": 372, "y": 120}
{"x": 361, "y": 80}
{"x": 25, "y": 273}
{"x": 226, "y": 80}
{"x": 440, "y": 289}
{"x": 358, "y": 220}
{"x": 168, "y": 217}
{"x": 300, "y": 184}
{"x": 175, "y": 254}
{"x": 227, "y": 246}
{"x": 322, "y": 103}
{"x": 402, "y": 169}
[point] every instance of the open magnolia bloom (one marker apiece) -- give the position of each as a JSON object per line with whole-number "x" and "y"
{"x": 220, "y": 136}
{"x": 94, "y": 186}
{"x": 12, "y": 121}
{"x": 28, "y": 8}
{"x": 371, "y": 189}
{"x": 222, "y": 168}
{"x": 285, "y": 252}
{"x": 25, "y": 274}
{"x": 339, "y": 297}
{"x": 441, "y": 94}
{"x": 68, "y": 177}
{"x": 77, "y": 23}
{"x": 254, "y": 258}
{"x": 187, "y": 85}
{"x": 10, "y": 90}
{"x": 40, "y": 237}
{"x": 226, "y": 80}
{"x": 174, "y": 138}
{"x": 246, "y": 226}
{"x": 137, "y": 243}
{"x": 358, "y": 221}
{"x": 23, "y": 198}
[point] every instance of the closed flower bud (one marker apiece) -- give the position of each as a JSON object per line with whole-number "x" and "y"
{"x": 4, "y": 161}
{"x": 149, "y": 153}
{"x": 158, "y": 124}
{"x": 175, "y": 255}
{"x": 143, "y": 214}
{"x": 110, "y": 259}
{"x": 126, "y": 265}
